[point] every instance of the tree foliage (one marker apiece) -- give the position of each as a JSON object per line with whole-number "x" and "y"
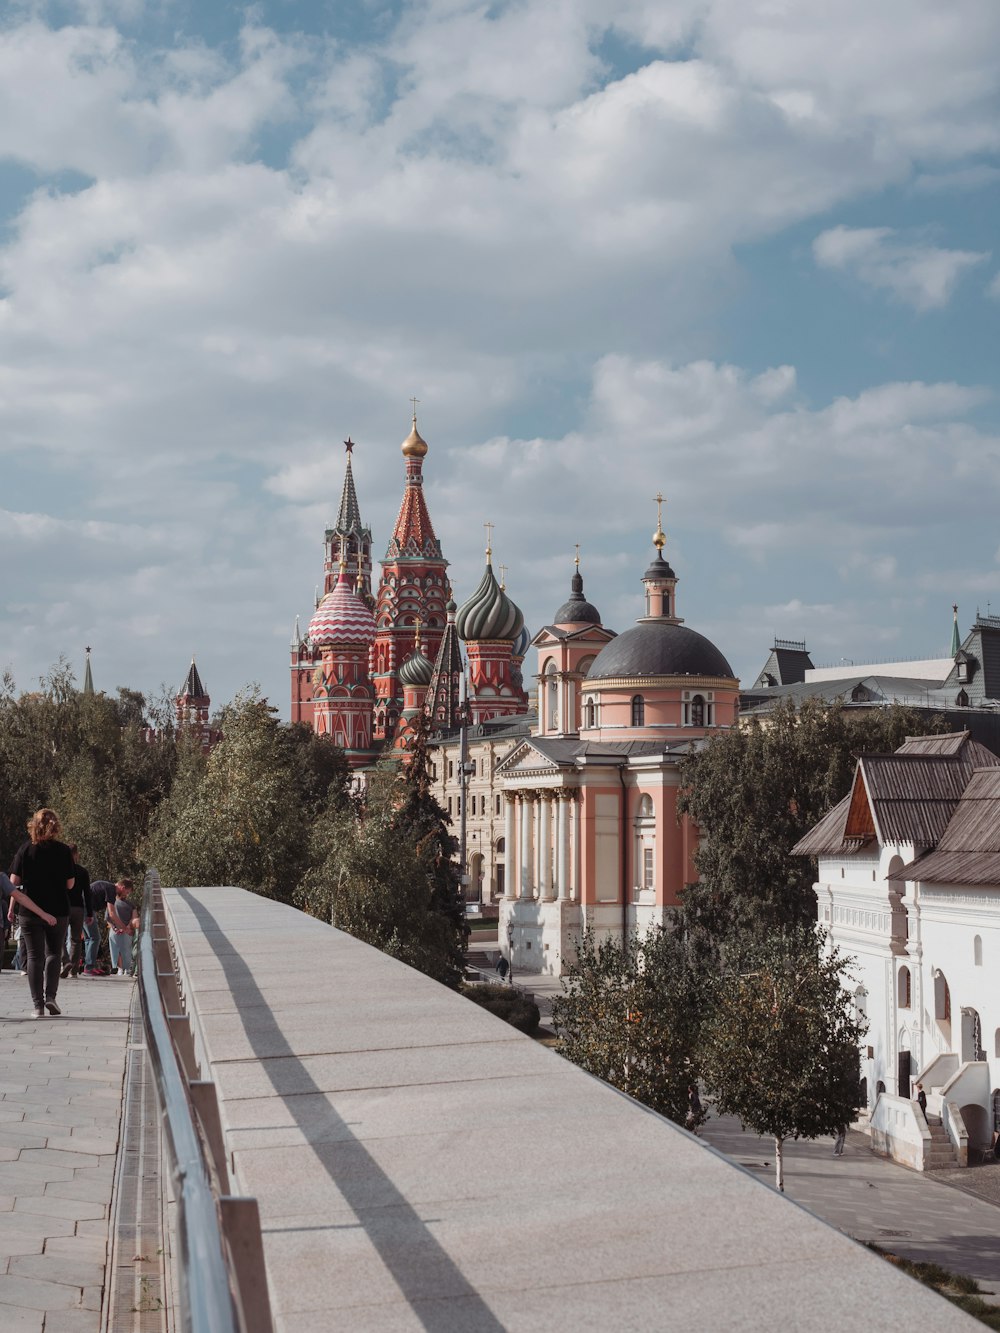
{"x": 386, "y": 872}
{"x": 90, "y": 758}
{"x": 781, "y": 1043}
{"x": 632, "y": 1014}
{"x": 755, "y": 790}
{"x": 243, "y": 814}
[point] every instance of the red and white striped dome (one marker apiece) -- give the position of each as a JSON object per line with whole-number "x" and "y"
{"x": 342, "y": 617}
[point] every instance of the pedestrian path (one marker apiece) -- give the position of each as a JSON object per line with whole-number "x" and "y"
{"x": 873, "y": 1199}
{"x": 60, "y": 1114}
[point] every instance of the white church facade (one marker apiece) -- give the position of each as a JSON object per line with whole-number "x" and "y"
{"x": 908, "y": 887}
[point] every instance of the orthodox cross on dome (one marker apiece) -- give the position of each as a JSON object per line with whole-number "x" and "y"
{"x": 413, "y": 404}
{"x": 503, "y": 577}
{"x": 361, "y": 574}
{"x": 416, "y": 636}
{"x": 489, "y": 541}
{"x": 349, "y": 445}
{"x": 659, "y": 537}
{"x": 576, "y": 559}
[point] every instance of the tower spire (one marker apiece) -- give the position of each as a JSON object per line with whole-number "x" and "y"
{"x": 955, "y": 641}
{"x": 88, "y": 678}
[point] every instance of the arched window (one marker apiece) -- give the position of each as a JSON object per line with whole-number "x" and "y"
{"x": 942, "y": 998}
{"x": 903, "y": 988}
{"x": 645, "y": 844}
{"x": 638, "y": 711}
{"x": 860, "y": 1005}
{"x": 698, "y": 711}
{"x": 962, "y": 699}
{"x": 977, "y": 950}
{"x": 551, "y": 697}
{"x": 591, "y": 714}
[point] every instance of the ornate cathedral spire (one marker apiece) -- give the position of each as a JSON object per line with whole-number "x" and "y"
{"x": 413, "y": 536}
{"x": 349, "y": 518}
{"x": 88, "y": 676}
{"x": 441, "y": 702}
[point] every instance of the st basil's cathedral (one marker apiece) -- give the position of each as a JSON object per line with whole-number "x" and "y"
{"x": 371, "y": 662}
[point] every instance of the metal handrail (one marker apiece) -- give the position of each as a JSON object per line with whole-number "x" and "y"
{"x": 205, "y": 1281}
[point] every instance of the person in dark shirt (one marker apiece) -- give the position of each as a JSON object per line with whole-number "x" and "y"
{"x": 80, "y": 910}
{"x": 102, "y": 892}
{"x": 44, "y": 868}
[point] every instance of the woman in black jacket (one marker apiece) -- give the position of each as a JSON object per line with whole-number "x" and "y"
{"x": 44, "y": 868}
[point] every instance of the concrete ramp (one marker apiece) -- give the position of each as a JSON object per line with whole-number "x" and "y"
{"x": 421, "y": 1165}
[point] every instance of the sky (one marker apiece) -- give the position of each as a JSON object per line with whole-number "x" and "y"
{"x": 741, "y": 252}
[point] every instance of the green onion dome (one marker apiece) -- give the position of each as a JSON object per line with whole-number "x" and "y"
{"x": 416, "y": 671}
{"x": 489, "y": 613}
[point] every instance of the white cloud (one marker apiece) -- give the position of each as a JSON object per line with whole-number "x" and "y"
{"x": 922, "y": 276}
{"x": 473, "y": 209}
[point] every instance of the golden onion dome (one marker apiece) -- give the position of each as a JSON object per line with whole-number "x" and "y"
{"x": 413, "y": 446}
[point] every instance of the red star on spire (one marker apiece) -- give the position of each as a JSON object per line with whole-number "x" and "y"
{"x": 349, "y": 445}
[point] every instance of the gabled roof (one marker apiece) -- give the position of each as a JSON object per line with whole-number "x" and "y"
{"x": 588, "y": 633}
{"x": 969, "y": 850}
{"x": 912, "y": 796}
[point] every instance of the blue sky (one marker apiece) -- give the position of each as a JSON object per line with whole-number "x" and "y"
{"x": 742, "y": 253}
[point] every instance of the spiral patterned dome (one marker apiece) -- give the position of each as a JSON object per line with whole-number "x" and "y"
{"x": 416, "y": 670}
{"x": 522, "y": 642}
{"x": 489, "y": 613}
{"x": 342, "y": 617}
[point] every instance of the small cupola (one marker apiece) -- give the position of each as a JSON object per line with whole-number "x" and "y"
{"x": 659, "y": 580}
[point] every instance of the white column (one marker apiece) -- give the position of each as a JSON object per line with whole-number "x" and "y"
{"x": 562, "y": 846}
{"x": 525, "y": 888}
{"x": 575, "y": 839}
{"x": 546, "y": 888}
{"x": 509, "y": 859}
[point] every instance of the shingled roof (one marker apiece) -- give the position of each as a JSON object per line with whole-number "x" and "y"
{"x": 787, "y": 665}
{"x": 914, "y": 796}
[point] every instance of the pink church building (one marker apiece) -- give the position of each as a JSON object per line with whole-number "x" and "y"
{"x": 592, "y": 836}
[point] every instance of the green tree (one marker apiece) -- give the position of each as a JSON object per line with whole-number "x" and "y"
{"x": 385, "y": 871}
{"x": 756, "y": 789}
{"x": 244, "y": 814}
{"x": 631, "y": 1013}
{"x": 91, "y": 758}
{"x": 780, "y": 1048}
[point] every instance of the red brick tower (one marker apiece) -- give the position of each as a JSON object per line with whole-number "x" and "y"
{"x": 413, "y": 588}
{"x": 191, "y": 708}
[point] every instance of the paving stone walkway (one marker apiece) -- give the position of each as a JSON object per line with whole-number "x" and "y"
{"x": 60, "y": 1114}
{"x": 873, "y": 1199}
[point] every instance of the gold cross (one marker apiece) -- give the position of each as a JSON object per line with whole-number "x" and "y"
{"x": 503, "y": 577}
{"x": 659, "y": 539}
{"x": 413, "y": 404}
{"x": 489, "y": 540}
{"x": 577, "y": 560}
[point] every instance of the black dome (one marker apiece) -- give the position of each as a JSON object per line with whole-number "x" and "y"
{"x": 658, "y": 649}
{"x": 576, "y": 610}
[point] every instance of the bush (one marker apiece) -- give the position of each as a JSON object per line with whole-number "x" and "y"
{"x": 506, "y": 1002}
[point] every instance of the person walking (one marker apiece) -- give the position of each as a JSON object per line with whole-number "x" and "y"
{"x": 122, "y": 917}
{"x": 43, "y": 868}
{"x": 80, "y": 910}
{"x": 838, "y": 1143}
{"x": 922, "y": 1100}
